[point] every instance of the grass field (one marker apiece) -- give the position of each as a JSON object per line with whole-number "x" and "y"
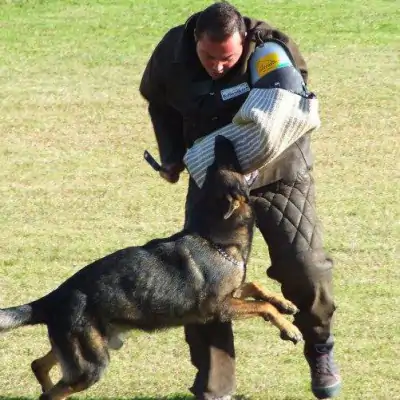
{"x": 74, "y": 186}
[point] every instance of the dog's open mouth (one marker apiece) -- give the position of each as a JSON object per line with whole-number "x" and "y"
{"x": 251, "y": 177}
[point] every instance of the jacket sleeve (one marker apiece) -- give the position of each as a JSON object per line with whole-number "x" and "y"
{"x": 167, "y": 122}
{"x": 265, "y": 31}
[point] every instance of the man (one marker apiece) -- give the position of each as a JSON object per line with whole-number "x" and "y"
{"x": 186, "y": 83}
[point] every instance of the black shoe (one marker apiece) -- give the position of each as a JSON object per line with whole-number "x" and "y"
{"x": 325, "y": 378}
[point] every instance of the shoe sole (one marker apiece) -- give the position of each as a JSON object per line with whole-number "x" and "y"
{"x": 327, "y": 392}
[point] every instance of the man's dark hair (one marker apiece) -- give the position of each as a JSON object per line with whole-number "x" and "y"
{"x": 219, "y": 21}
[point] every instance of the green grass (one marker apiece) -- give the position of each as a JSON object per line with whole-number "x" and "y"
{"x": 74, "y": 186}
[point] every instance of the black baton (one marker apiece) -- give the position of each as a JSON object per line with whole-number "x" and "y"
{"x": 153, "y": 163}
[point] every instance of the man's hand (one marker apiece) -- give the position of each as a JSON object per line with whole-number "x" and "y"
{"x": 171, "y": 172}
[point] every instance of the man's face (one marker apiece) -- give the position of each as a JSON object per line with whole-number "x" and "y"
{"x": 218, "y": 58}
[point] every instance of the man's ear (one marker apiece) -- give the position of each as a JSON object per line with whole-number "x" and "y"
{"x": 233, "y": 205}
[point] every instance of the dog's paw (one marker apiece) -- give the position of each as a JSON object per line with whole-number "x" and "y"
{"x": 293, "y": 334}
{"x": 286, "y": 306}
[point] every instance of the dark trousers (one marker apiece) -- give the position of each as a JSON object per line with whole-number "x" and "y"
{"x": 287, "y": 219}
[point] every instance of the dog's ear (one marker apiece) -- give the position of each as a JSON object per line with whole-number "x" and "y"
{"x": 233, "y": 205}
{"x": 225, "y": 155}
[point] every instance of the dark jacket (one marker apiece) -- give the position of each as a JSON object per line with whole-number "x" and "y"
{"x": 186, "y": 104}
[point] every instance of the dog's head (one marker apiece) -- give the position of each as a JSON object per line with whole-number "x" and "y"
{"x": 225, "y": 192}
{"x": 221, "y": 211}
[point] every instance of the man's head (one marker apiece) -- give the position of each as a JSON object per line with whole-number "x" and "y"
{"x": 220, "y": 32}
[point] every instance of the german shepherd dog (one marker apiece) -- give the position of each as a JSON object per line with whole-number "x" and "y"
{"x": 193, "y": 276}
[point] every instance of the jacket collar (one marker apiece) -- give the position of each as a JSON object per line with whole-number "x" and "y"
{"x": 185, "y": 50}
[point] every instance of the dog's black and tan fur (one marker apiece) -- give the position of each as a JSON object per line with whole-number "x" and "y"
{"x": 193, "y": 276}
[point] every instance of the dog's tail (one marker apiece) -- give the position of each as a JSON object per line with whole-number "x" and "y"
{"x": 26, "y": 314}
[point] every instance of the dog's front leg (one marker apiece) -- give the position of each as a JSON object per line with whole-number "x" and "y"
{"x": 255, "y": 291}
{"x": 238, "y": 308}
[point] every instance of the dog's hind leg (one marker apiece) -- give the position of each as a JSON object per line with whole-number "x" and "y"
{"x": 238, "y": 309}
{"x": 41, "y": 368}
{"x": 88, "y": 377}
{"x": 59, "y": 391}
{"x": 62, "y": 390}
{"x": 254, "y": 290}
{"x": 83, "y": 357}
{"x": 67, "y": 386}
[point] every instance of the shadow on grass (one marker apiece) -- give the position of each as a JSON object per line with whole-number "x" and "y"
{"x": 171, "y": 397}
{"x": 140, "y": 397}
